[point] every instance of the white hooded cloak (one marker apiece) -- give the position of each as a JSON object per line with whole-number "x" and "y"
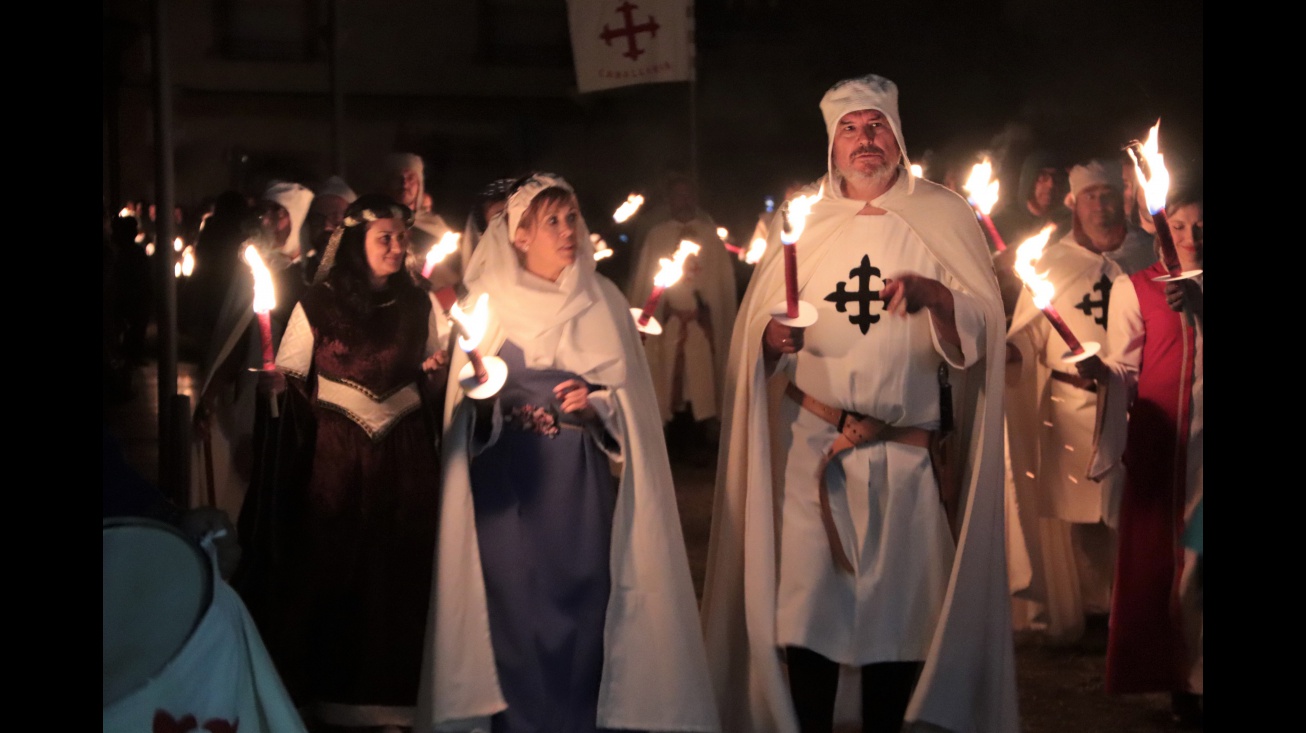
{"x": 968, "y": 680}
{"x": 655, "y": 674}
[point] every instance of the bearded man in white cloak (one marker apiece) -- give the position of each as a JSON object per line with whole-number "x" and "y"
{"x": 1061, "y": 528}
{"x": 832, "y": 552}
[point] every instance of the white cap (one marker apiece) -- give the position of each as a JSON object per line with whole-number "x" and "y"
{"x": 866, "y": 92}
{"x": 1095, "y": 173}
{"x": 336, "y": 186}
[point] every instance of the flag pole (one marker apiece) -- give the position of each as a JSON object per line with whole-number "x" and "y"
{"x": 693, "y": 96}
{"x": 693, "y": 132}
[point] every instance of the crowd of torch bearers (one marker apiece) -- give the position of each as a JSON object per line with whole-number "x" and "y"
{"x": 483, "y": 376}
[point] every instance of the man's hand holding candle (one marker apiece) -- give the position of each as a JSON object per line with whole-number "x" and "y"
{"x": 780, "y": 339}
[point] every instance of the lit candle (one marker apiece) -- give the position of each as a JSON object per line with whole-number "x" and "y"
{"x": 1149, "y": 164}
{"x": 668, "y": 275}
{"x": 472, "y": 327}
{"x": 1027, "y": 254}
{"x": 265, "y": 300}
{"x": 601, "y": 248}
{"x": 756, "y": 249}
{"x": 447, "y": 245}
{"x": 917, "y": 170}
{"x": 794, "y": 217}
{"x": 628, "y": 208}
{"x": 982, "y": 193}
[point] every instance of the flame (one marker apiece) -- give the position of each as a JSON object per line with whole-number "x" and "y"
{"x": 1156, "y": 187}
{"x": 177, "y": 244}
{"x": 265, "y": 297}
{"x": 755, "y": 251}
{"x": 1027, "y": 254}
{"x": 795, "y": 215}
{"x": 126, "y": 212}
{"x": 188, "y": 261}
{"x": 601, "y": 248}
{"x": 917, "y": 170}
{"x": 672, "y": 269}
{"x": 981, "y": 188}
{"x": 176, "y": 269}
{"x": 628, "y": 208}
{"x": 472, "y": 324}
{"x": 447, "y": 245}
{"x": 149, "y": 247}
{"x": 722, "y": 234}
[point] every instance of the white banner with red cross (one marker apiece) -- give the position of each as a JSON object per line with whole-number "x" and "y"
{"x": 618, "y": 43}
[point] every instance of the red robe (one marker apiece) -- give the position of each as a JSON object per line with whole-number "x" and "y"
{"x": 1145, "y": 648}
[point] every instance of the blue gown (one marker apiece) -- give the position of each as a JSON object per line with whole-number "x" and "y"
{"x": 544, "y": 498}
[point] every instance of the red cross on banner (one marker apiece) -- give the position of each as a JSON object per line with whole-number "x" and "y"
{"x": 618, "y": 43}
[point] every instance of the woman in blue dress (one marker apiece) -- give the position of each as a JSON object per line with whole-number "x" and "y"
{"x": 563, "y": 601}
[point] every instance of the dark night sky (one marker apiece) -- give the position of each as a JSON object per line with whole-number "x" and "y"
{"x": 1000, "y": 75}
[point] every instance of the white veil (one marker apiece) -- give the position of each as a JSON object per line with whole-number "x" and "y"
{"x": 559, "y": 325}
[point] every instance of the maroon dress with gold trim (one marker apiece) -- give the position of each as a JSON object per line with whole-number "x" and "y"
{"x": 358, "y": 536}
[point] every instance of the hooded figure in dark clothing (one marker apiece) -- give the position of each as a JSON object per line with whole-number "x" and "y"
{"x": 1040, "y": 199}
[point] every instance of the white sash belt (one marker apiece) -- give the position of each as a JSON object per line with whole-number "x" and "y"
{"x": 373, "y": 413}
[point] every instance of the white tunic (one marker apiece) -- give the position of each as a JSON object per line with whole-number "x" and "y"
{"x": 883, "y": 495}
{"x": 1057, "y": 455}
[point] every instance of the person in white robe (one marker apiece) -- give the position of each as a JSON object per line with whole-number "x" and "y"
{"x": 688, "y": 359}
{"x": 405, "y": 182}
{"x": 824, "y": 572}
{"x": 224, "y": 416}
{"x": 654, "y": 670}
{"x": 1060, "y": 534}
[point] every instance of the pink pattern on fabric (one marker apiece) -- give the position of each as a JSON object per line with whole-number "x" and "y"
{"x": 541, "y": 420}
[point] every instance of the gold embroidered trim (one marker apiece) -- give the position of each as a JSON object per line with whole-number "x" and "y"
{"x": 374, "y": 396}
{"x": 378, "y": 435}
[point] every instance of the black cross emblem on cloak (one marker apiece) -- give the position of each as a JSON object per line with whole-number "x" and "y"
{"x": 1087, "y": 305}
{"x": 863, "y": 295}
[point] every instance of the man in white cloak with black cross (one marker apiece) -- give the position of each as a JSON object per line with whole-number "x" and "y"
{"x": 834, "y": 552}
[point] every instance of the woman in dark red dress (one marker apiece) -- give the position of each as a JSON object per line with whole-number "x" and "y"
{"x": 354, "y": 527}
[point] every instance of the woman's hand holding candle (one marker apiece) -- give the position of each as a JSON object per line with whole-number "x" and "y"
{"x": 574, "y": 397}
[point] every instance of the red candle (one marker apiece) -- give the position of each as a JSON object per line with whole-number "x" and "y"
{"x": 265, "y": 329}
{"x": 478, "y": 366}
{"x": 1062, "y": 329}
{"x": 650, "y": 305}
{"x": 1168, "y": 253}
{"x": 446, "y": 297}
{"x": 791, "y": 281}
{"x": 1000, "y": 245}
